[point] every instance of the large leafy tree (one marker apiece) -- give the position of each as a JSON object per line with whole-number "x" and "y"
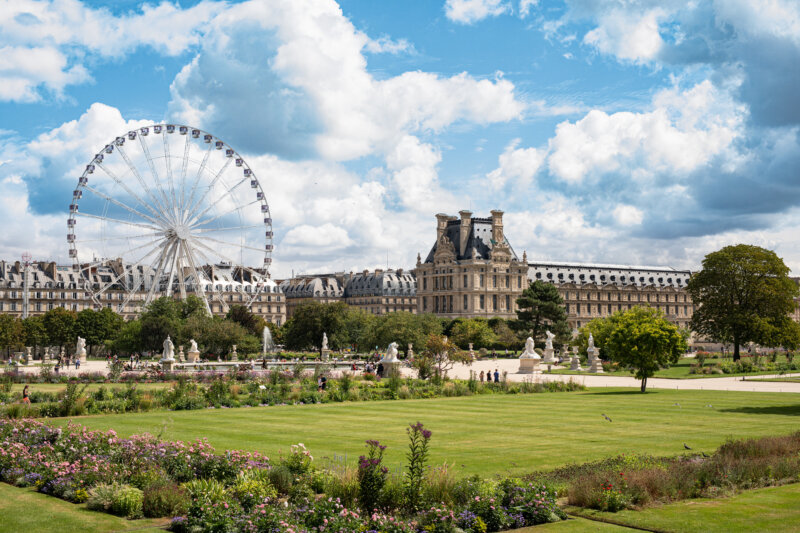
{"x": 404, "y": 329}
{"x": 97, "y": 327}
{"x": 744, "y": 294}
{"x": 439, "y": 356}
{"x": 475, "y": 331}
{"x": 310, "y": 320}
{"x": 60, "y": 326}
{"x": 10, "y": 332}
{"x": 541, "y": 308}
{"x": 160, "y": 318}
{"x": 245, "y": 318}
{"x": 33, "y": 331}
{"x": 643, "y": 340}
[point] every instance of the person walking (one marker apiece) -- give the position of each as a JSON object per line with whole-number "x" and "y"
{"x": 77, "y": 363}
{"x": 481, "y": 376}
{"x": 25, "y": 398}
{"x": 496, "y": 376}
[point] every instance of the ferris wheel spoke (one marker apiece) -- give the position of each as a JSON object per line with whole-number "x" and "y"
{"x": 168, "y": 165}
{"x": 208, "y": 190}
{"x": 122, "y": 184}
{"x": 133, "y": 290}
{"x": 198, "y": 280}
{"x": 197, "y": 177}
{"x": 124, "y": 271}
{"x": 230, "y": 228}
{"x": 121, "y": 237}
{"x": 122, "y": 205}
{"x": 231, "y": 261}
{"x": 159, "y": 271}
{"x": 221, "y": 197}
{"x": 141, "y": 181}
{"x": 119, "y": 221}
{"x": 217, "y": 241}
{"x": 184, "y": 168}
{"x": 212, "y": 219}
{"x": 153, "y": 171}
{"x": 181, "y": 270}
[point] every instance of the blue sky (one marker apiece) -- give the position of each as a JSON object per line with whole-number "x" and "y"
{"x": 616, "y": 131}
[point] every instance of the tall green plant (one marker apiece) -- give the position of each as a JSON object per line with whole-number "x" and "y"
{"x": 371, "y": 476}
{"x": 415, "y": 470}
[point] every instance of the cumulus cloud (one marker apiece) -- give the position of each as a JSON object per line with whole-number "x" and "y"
{"x": 627, "y": 34}
{"x": 47, "y": 41}
{"x": 628, "y": 215}
{"x": 517, "y": 165}
{"x": 471, "y": 11}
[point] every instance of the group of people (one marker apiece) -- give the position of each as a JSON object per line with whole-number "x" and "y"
{"x": 64, "y": 361}
{"x": 488, "y": 376}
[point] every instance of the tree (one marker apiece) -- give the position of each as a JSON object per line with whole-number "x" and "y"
{"x": 98, "y": 326}
{"x": 404, "y": 329}
{"x": 245, "y": 318}
{"x": 33, "y": 332}
{"x": 10, "y": 332}
{"x": 439, "y": 356}
{"x": 220, "y": 336}
{"x": 475, "y": 331}
{"x": 600, "y": 329}
{"x": 129, "y": 338}
{"x": 541, "y": 308}
{"x": 160, "y": 318}
{"x": 60, "y": 325}
{"x": 743, "y": 294}
{"x": 505, "y": 335}
{"x": 310, "y": 320}
{"x": 643, "y": 340}
{"x": 358, "y": 327}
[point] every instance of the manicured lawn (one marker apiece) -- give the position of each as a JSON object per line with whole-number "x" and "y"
{"x": 574, "y": 525}
{"x": 23, "y": 510}
{"x": 680, "y": 370}
{"x": 795, "y": 379}
{"x": 491, "y": 434}
{"x": 771, "y": 509}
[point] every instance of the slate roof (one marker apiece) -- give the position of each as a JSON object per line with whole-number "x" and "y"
{"x": 381, "y": 283}
{"x": 480, "y": 239}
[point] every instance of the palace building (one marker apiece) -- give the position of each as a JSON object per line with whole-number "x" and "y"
{"x": 471, "y": 271}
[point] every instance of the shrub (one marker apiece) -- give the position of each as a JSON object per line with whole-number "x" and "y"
{"x": 281, "y": 478}
{"x": 165, "y": 499}
{"x": 101, "y": 497}
{"x": 205, "y": 491}
{"x": 252, "y": 490}
{"x": 127, "y": 502}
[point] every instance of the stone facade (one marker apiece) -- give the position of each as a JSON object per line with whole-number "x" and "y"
{"x": 471, "y": 271}
{"x": 595, "y": 290}
{"x": 323, "y": 288}
{"x": 53, "y": 285}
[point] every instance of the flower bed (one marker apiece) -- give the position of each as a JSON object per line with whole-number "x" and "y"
{"x": 238, "y": 491}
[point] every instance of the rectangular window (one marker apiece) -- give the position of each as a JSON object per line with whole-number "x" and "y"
{"x": 566, "y": 308}
{"x": 466, "y": 302}
{"x": 494, "y": 282}
{"x": 508, "y": 282}
{"x": 609, "y": 309}
{"x": 483, "y": 301}
{"x": 450, "y": 303}
{"x": 481, "y": 284}
{"x": 519, "y": 282}
{"x": 578, "y": 309}
{"x": 13, "y": 306}
{"x": 508, "y": 303}
{"x": 466, "y": 282}
{"x": 494, "y": 302}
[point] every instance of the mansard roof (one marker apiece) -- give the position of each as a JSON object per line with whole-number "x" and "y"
{"x": 479, "y": 243}
{"x": 312, "y": 287}
{"x": 381, "y": 283}
{"x": 583, "y": 274}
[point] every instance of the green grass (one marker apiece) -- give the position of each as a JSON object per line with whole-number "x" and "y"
{"x": 23, "y": 510}
{"x": 573, "y": 525}
{"x": 795, "y": 379}
{"x": 680, "y": 370}
{"x": 771, "y": 509}
{"x": 491, "y": 434}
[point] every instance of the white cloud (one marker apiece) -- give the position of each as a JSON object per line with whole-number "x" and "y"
{"x": 471, "y": 11}
{"x": 526, "y": 6}
{"x": 684, "y": 131}
{"x": 628, "y": 215}
{"x": 628, "y": 34}
{"x": 48, "y": 41}
{"x": 519, "y": 165}
{"x": 387, "y": 45}
{"x": 762, "y": 17}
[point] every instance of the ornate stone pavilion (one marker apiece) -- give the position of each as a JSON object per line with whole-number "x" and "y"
{"x": 471, "y": 271}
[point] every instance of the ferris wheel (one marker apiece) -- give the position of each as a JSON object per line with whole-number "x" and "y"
{"x": 168, "y": 210}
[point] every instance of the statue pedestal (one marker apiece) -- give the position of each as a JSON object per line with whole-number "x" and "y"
{"x": 166, "y": 364}
{"x": 193, "y": 357}
{"x": 82, "y": 356}
{"x": 549, "y": 357}
{"x": 391, "y": 368}
{"x": 46, "y": 356}
{"x": 529, "y": 365}
{"x": 575, "y": 364}
{"x": 597, "y": 366}
{"x": 325, "y": 354}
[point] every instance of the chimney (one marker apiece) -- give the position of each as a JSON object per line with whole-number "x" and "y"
{"x": 497, "y": 226}
{"x": 466, "y": 217}
{"x": 441, "y": 225}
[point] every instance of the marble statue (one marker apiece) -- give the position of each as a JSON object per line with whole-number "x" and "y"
{"x": 529, "y": 360}
{"x": 80, "y": 348}
{"x": 193, "y": 346}
{"x": 324, "y": 341}
{"x": 391, "y": 353}
{"x": 529, "y": 349}
{"x": 550, "y": 337}
{"x": 169, "y": 350}
{"x": 591, "y": 340}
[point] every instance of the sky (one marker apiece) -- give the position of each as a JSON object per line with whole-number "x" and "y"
{"x": 619, "y": 131}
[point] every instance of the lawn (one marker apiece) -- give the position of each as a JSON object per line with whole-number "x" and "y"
{"x": 91, "y": 387}
{"x": 771, "y": 509}
{"x": 487, "y": 435}
{"x": 794, "y": 379}
{"x": 26, "y": 510}
{"x": 680, "y": 370}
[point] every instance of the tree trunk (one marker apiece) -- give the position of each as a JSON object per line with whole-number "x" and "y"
{"x": 644, "y": 384}
{"x": 736, "y": 356}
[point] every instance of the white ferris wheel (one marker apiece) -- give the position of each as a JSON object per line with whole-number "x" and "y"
{"x": 160, "y": 210}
